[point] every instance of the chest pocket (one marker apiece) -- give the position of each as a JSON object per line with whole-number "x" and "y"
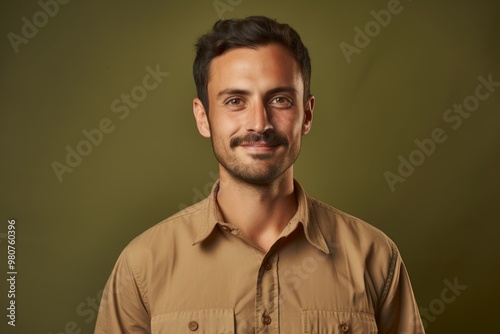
{"x": 213, "y": 321}
{"x": 331, "y": 322}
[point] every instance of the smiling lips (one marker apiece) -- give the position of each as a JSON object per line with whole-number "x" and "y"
{"x": 259, "y": 146}
{"x": 263, "y": 142}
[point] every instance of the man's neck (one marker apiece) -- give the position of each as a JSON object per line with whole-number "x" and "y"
{"x": 260, "y": 212}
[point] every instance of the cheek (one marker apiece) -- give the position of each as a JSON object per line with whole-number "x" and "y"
{"x": 291, "y": 126}
{"x": 224, "y": 126}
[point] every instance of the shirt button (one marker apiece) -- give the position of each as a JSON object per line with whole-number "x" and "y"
{"x": 193, "y": 326}
{"x": 344, "y": 328}
{"x": 268, "y": 266}
{"x": 266, "y": 320}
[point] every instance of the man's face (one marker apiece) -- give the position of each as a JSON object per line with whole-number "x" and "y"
{"x": 256, "y": 112}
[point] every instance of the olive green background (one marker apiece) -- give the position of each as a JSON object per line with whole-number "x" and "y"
{"x": 368, "y": 112}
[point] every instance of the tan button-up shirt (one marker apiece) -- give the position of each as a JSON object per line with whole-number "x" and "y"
{"x": 328, "y": 272}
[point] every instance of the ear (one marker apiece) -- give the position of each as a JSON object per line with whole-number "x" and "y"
{"x": 201, "y": 118}
{"x": 308, "y": 115}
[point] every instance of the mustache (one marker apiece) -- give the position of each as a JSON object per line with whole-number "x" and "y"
{"x": 268, "y": 138}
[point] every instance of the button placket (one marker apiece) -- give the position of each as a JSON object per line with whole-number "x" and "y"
{"x": 267, "y": 294}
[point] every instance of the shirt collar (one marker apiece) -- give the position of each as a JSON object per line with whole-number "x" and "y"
{"x": 304, "y": 216}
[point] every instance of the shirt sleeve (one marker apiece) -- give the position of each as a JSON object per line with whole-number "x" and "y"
{"x": 398, "y": 312}
{"x": 124, "y": 307}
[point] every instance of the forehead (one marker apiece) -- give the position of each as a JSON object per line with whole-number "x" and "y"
{"x": 263, "y": 67}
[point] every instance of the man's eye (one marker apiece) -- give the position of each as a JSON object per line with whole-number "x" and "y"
{"x": 281, "y": 102}
{"x": 234, "y": 102}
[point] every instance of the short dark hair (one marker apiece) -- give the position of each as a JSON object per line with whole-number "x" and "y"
{"x": 250, "y": 32}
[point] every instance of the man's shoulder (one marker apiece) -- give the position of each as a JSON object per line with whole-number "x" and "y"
{"x": 339, "y": 227}
{"x": 180, "y": 225}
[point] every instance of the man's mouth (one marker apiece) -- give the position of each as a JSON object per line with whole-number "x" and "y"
{"x": 259, "y": 147}
{"x": 258, "y": 144}
{"x": 268, "y": 140}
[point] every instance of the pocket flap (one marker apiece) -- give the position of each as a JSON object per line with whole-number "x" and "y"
{"x": 217, "y": 321}
{"x": 332, "y": 322}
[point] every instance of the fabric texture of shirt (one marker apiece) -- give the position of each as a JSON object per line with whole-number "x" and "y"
{"x": 328, "y": 272}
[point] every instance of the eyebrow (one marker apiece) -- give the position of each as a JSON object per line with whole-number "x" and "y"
{"x": 232, "y": 91}
{"x": 236, "y": 91}
{"x": 284, "y": 89}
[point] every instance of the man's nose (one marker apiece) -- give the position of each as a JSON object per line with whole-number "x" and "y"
{"x": 258, "y": 118}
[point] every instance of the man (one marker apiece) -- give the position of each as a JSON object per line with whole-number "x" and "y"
{"x": 258, "y": 255}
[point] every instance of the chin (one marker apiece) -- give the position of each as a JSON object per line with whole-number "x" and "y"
{"x": 262, "y": 156}
{"x": 263, "y": 177}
